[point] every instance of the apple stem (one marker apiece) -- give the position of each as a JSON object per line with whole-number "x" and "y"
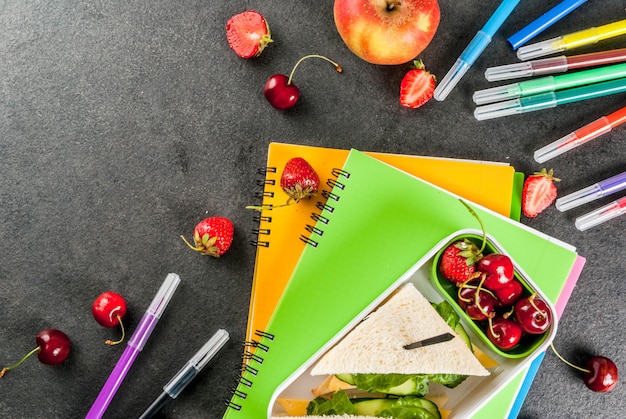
{"x": 5, "y": 369}
{"x": 566, "y": 361}
{"x": 482, "y": 227}
{"x": 109, "y": 341}
{"x": 392, "y": 4}
{"x": 337, "y": 66}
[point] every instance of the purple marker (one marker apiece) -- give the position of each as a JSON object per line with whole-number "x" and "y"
{"x": 595, "y": 191}
{"x": 135, "y": 345}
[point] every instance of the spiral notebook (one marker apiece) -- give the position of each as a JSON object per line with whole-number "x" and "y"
{"x": 276, "y": 238}
{"x": 377, "y": 222}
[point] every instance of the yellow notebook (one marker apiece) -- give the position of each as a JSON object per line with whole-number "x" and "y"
{"x": 279, "y": 248}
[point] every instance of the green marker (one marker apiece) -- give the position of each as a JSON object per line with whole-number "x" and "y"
{"x": 549, "y": 99}
{"x": 549, "y": 84}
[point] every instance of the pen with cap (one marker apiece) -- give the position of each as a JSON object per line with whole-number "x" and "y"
{"x": 544, "y": 22}
{"x": 549, "y": 100}
{"x": 581, "y": 136}
{"x": 560, "y": 64}
{"x": 549, "y": 84}
{"x": 572, "y": 40}
{"x": 601, "y": 215}
{"x": 188, "y": 372}
{"x": 597, "y": 190}
{"x": 474, "y": 49}
{"x": 134, "y": 346}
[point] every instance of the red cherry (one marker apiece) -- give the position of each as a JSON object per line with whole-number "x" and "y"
{"x": 478, "y": 304}
{"x": 108, "y": 309}
{"x": 53, "y": 347}
{"x": 504, "y": 333}
{"x": 510, "y": 293}
{"x": 499, "y": 269}
{"x": 533, "y": 315}
{"x": 279, "y": 90}
{"x": 601, "y": 374}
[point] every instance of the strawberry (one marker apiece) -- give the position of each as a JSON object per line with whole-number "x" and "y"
{"x": 212, "y": 236}
{"x": 248, "y": 34}
{"x": 417, "y": 86}
{"x": 539, "y": 192}
{"x": 458, "y": 261}
{"x": 299, "y": 180}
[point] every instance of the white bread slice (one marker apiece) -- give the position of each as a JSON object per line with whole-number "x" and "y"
{"x": 376, "y": 344}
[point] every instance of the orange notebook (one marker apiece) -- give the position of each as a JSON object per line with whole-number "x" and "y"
{"x": 278, "y": 244}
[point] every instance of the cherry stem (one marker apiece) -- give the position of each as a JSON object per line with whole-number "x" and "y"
{"x": 531, "y": 300}
{"x": 566, "y": 361}
{"x": 495, "y": 335}
{"x": 477, "y": 294}
{"x": 5, "y": 369}
{"x": 109, "y": 341}
{"x": 475, "y": 287}
{"x": 482, "y": 227}
{"x": 337, "y": 66}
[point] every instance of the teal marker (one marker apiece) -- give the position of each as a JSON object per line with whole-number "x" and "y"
{"x": 549, "y": 84}
{"x": 550, "y": 100}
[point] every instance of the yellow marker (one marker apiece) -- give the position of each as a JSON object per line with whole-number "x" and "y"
{"x": 573, "y": 40}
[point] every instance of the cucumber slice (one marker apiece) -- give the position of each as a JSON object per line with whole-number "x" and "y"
{"x": 371, "y": 407}
{"x": 408, "y": 407}
{"x": 463, "y": 335}
{"x": 346, "y": 378}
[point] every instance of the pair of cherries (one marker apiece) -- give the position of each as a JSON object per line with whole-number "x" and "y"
{"x": 54, "y": 346}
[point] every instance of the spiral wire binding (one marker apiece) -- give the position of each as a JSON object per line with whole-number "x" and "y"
{"x": 327, "y": 206}
{"x": 248, "y": 354}
{"x": 258, "y": 218}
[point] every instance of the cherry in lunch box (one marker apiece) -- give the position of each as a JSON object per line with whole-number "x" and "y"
{"x": 499, "y": 269}
{"x": 478, "y": 302}
{"x": 504, "y": 333}
{"x": 510, "y": 293}
{"x": 532, "y": 314}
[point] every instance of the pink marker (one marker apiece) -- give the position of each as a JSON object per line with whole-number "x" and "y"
{"x": 599, "y": 216}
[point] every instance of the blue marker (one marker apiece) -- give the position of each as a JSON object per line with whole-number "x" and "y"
{"x": 474, "y": 49}
{"x": 544, "y": 22}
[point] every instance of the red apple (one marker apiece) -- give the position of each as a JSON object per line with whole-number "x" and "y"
{"x": 387, "y": 31}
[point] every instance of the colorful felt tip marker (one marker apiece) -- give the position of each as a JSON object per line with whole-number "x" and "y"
{"x": 601, "y": 215}
{"x": 582, "y": 135}
{"x": 188, "y": 372}
{"x": 549, "y": 100}
{"x": 135, "y": 345}
{"x": 549, "y": 84}
{"x": 474, "y": 49}
{"x": 560, "y": 64}
{"x": 597, "y": 190}
{"x": 571, "y": 41}
{"x": 544, "y": 22}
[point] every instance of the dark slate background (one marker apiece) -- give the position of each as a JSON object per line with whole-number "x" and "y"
{"x": 122, "y": 124}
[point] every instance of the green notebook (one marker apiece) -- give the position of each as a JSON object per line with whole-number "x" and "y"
{"x": 377, "y": 223}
